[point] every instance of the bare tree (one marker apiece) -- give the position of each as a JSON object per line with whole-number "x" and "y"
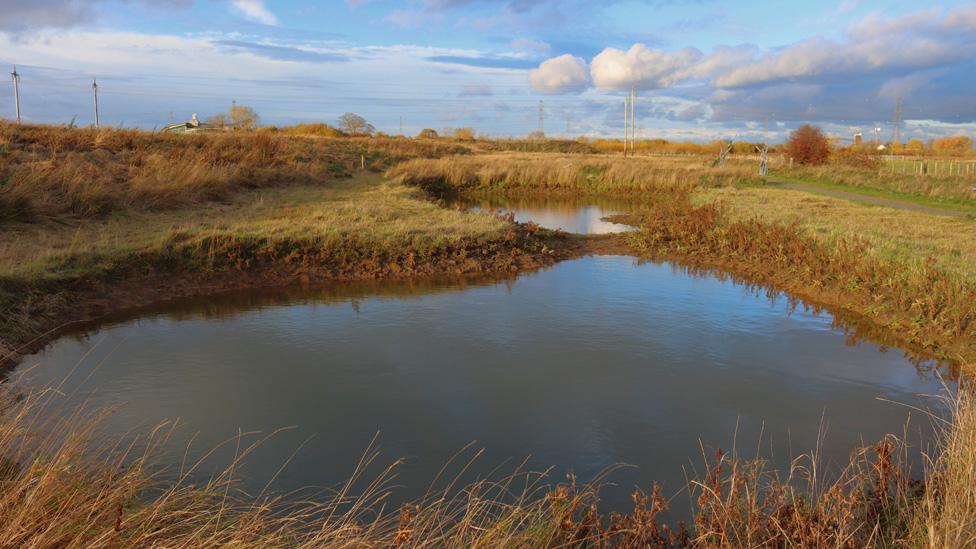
{"x": 243, "y": 117}
{"x": 354, "y": 124}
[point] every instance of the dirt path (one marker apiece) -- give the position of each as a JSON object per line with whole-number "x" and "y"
{"x": 867, "y": 199}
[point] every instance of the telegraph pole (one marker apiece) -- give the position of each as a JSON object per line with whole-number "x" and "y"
{"x": 633, "y": 127}
{"x": 16, "y": 78}
{"x": 95, "y": 98}
{"x": 401, "y": 125}
{"x": 626, "y": 120}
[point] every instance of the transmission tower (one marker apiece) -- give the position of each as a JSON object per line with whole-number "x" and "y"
{"x": 896, "y": 132}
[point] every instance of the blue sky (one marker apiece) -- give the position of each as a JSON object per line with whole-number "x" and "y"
{"x": 704, "y": 69}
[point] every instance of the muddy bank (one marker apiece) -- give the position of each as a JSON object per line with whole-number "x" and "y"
{"x": 47, "y": 312}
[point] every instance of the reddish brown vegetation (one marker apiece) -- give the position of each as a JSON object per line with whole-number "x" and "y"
{"x": 808, "y": 145}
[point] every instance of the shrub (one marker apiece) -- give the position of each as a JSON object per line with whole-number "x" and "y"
{"x": 808, "y": 145}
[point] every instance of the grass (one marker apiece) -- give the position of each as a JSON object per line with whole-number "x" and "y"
{"x": 361, "y": 227}
{"x": 948, "y": 204}
{"x": 48, "y": 171}
{"x": 64, "y": 485}
{"x": 950, "y": 192}
{"x": 571, "y": 173}
{"x": 897, "y": 235}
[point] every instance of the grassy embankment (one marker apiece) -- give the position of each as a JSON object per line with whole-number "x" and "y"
{"x": 908, "y": 272}
{"x": 579, "y": 174}
{"x": 94, "y": 219}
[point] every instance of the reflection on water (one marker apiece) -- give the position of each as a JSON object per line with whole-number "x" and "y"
{"x": 581, "y": 215}
{"x": 590, "y": 363}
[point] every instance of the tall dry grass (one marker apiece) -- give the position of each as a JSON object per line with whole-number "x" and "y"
{"x": 52, "y": 171}
{"x": 948, "y": 517}
{"x": 579, "y": 174}
{"x": 63, "y": 483}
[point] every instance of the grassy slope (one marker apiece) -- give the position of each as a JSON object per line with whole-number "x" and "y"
{"x": 361, "y": 227}
{"x": 893, "y": 234}
{"x": 385, "y": 215}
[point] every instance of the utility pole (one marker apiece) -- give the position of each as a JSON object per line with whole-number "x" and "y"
{"x": 95, "y": 98}
{"x": 633, "y": 126}
{"x": 401, "y": 125}
{"x": 542, "y": 118}
{"x": 16, "y": 78}
{"x": 567, "y": 124}
{"x": 626, "y": 121}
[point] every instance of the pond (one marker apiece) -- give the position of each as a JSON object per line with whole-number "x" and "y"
{"x": 590, "y": 363}
{"x": 581, "y": 215}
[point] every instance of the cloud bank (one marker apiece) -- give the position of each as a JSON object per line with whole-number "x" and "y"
{"x": 926, "y": 57}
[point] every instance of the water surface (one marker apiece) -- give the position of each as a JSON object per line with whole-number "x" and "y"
{"x": 590, "y": 363}
{"x": 581, "y": 215}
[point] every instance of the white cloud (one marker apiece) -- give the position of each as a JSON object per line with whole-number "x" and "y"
{"x": 560, "y": 75}
{"x": 641, "y": 66}
{"x": 255, "y": 10}
{"x": 926, "y": 39}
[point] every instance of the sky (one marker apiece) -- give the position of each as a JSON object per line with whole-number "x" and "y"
{"x": 702, "y": 69}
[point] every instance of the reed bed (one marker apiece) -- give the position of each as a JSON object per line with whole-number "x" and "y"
{"x": 63, "y": 483}
{"x": 578, "y": 174}
{"x": 53, "y": 171}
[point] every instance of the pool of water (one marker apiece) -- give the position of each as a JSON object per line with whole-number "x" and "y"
{"x": 590, "y": 363}
{"x": 581, "y": 215}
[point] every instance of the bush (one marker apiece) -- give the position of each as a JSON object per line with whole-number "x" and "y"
{"x": 808, "y": 145}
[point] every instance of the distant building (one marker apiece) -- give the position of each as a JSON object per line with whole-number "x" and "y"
{"x": 193, "y": 125}
{"x": 858, "y": 139}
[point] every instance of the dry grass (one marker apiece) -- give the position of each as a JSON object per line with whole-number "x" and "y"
{"x": 579, "y": 174}
{"x": 50, "y": 171}
{"x": 63, "y": 484}
{"x": 948, "y": 518}
{"x": 897, "y": 235}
